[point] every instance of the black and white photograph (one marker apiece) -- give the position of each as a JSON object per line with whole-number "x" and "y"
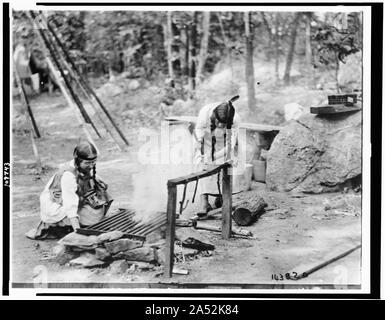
{"x": 194, "y": 148}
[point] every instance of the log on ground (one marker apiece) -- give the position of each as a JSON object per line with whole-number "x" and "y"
{"x": 249, "y": 211}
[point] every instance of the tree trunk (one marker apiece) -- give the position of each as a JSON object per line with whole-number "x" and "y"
{"x": 276, "y": 45}
{"x": 337, "y": 71}
{"x": 204, "y": 45}
{"x": 249, "y": 65}
{"x": 184, "y": 54}
{"x": 308, "y": 52}
{"x": 248, "y": 211}
{"x": 290, "y": 54}
{"x": 167, "y": 30}
{"x": 270, "y": 35}
{"x": 189, "y": 61}
{"x": 193, "y": 52}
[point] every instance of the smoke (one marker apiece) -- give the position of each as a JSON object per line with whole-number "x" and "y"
{"x": 161, "y": 157}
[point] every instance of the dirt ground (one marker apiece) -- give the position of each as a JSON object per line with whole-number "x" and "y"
{"x": 295, "y": 234}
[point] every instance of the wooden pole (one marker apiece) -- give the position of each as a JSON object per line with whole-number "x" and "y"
{"x": 69, "y": 101}
{"x": 170, "y": 231}
{"x": 30, "y": 121}
{"x": 51, "y": 48}
{"x": 324, "y": 264}
{"x": 24, "y": 97}
{"x": 84, "y": 83}
{"x": 227, "y": 202}
{"x": 92, "y": 100}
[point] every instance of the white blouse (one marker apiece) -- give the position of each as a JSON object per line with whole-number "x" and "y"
{"x": 52, "y": 212}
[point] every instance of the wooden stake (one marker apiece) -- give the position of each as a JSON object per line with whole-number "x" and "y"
{"x": 170, "y": 232}
{"x": 227, "y": 202}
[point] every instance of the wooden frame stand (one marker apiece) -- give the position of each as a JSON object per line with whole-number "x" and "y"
{"x": 171, "y": 207}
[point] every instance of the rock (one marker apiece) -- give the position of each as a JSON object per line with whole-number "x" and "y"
{"x": 293, "y": 111}
{"x": 102, "y": 254}
{"x": 87, "y": 260}
{"x": 146, "y": 254}
{"x": 133, "y": 85}
{"x": 193, "y": 239}
{"x": 80, "y": 241}
{"x": 315, "y": 154}
{"x": 110, "y": 236}
{"x": 119, "y": 266}
{"x": 63, "y": 254}
{"x": 122, "y": 245}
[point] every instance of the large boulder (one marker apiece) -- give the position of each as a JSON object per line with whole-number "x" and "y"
{"x": 315, "y": 154}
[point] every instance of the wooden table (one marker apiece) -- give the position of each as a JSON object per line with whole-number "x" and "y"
{"x": 264, "y": 133}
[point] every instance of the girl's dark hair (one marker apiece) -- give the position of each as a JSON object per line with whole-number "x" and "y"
{"x": 224, "y": 113}
{"x": 85, "y": 150}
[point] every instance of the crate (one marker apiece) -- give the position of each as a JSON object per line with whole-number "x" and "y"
{"x": 346, "y": 99}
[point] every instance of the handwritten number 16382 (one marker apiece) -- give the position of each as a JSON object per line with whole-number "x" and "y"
{"x": 286, "y": 276}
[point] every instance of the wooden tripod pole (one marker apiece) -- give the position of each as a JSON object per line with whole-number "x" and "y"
{"x": 56, "y": 59}
{"x": 84, "y": 83}
{"x": 30, "y": 123}
{"x": 69, "y": 100}
{"x": 24, "y": 97}
{"x": 92, "y": 101}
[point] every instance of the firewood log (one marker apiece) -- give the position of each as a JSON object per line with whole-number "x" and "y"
{"x": 248, "y": 211}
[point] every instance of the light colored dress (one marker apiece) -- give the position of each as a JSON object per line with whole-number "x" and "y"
{"x": 202, "y": 131}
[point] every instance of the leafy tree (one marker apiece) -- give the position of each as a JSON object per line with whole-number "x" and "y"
{"x": 335, "y": 43}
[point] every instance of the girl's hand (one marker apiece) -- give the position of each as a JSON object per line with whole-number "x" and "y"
{"x": 75, "y": 223}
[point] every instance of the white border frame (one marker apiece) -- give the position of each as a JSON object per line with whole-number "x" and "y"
{"x": 366, "y": 152}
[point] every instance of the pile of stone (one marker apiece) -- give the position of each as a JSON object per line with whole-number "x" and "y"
{"x": 111, "y": 248}
{"x": 121, "y": 253}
